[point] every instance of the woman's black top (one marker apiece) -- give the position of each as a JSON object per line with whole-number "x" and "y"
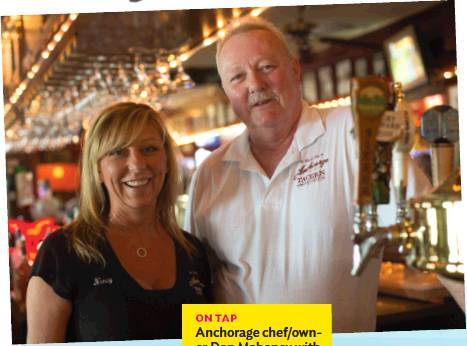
{"x": 108, "y": 304}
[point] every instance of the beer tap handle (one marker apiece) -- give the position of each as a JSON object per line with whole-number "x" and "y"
{"x": 369, "y": 102}
{"x": 402, "y": 147}
{"x": 440, "y": 127}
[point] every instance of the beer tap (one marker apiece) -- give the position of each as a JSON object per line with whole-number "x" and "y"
{"x": 440, "y": 127}
{"x": 370, "y": 96}
{"x": 400, "y": 153}
{"x": 425, "y": 229}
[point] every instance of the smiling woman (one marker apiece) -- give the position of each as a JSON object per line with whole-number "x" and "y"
{"x": 134, "y": 175}
{"x": 122, "y": 270}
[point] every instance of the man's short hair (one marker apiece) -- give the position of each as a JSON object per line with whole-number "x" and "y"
{"x": 250, "y": 23}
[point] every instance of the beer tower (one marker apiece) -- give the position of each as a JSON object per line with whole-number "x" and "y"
{"x": 427, "y": 230}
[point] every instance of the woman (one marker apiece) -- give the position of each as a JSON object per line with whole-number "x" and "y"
{"x": 122, "y": 270}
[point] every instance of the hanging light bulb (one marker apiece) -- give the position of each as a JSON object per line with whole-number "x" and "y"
{"x": 162, "y": 75}
{"x": 173, "y": 64}
{"x": 182, "y": 79}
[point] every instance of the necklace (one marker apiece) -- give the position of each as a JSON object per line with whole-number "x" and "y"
{"x": 141, "y": 251}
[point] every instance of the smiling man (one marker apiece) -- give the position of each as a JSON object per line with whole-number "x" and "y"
{"x": 262, "y": 82}
{"x": 275, "y": 204}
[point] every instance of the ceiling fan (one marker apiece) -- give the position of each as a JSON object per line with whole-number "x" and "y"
{"x": 304, "y": 35}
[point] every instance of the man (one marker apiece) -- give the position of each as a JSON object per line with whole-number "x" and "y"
{"x": 275, "y": 205}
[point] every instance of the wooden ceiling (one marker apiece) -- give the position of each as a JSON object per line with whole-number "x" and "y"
{"x": 114, "y": 33}
{"x": 106, "y": 39}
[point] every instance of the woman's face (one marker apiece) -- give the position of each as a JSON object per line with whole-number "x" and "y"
{"x": 134, "y": 175}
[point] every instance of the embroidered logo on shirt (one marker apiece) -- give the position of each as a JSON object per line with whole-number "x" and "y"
{"x": 195, "y": 282}
{"x": 98, "y": 281}
{"x": 311, "y": 170}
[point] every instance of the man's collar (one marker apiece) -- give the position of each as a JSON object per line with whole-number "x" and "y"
{"x": 310, "y": 127}
{"x": 238, "y": 148}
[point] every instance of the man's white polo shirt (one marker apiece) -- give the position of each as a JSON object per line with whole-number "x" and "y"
{"x": 287, "y": 239}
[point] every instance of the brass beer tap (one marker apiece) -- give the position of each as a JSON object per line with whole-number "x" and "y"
{"x": 425, "y": 230}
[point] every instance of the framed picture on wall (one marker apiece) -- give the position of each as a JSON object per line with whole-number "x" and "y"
{"x": 379, "y": 65}
{"x": 361, "y": 67}
{"x": 452, "y": 96}
{"x": 405, "y": 59}
{"x": 310, "y": 90}
{"x": 326, "y": 85}
{"x": 343, "y": 76}
{"x": 24, "y": 182}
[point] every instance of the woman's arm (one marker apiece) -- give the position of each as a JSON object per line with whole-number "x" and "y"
{"x": 47, "y": 313}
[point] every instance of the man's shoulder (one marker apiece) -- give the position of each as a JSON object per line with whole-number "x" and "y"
{"x": 215, "y": 158}
{"x": 332, "y": 113}
{"x": 226, "y": 152}
{"x": 318, "y": 122}
{"x": 335, "y": 118}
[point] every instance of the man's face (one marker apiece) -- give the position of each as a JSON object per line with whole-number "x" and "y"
{"x": 261, "y": 80}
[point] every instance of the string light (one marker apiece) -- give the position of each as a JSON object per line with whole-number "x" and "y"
{"x": 44, "y": 56}
{"x": 184, "y": 57}
{"x": 221, "y": 34}
{"x": 51, "y": 46}
{"x": 10, "y": 133}
{"x": 236, "y": 12}
{"x": 58, "y": 36}
{"x": 448, "y": 74}
{"x": 257, "y": 11}
{"x": 65, "y": 27}
{"x": 173, "y": 61}
{"x": 341, "y": 101}
{"x": 13, "y": 99}
{"x": 209, "y": 40}
{"x": 163, "y": 69}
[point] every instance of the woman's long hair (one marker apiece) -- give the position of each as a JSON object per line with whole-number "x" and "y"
{"x": 118, "y": 126}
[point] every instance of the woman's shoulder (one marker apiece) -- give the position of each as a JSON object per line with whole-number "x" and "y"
{"x": 200, "y": 250}
{"x": 193, "y": 240}
{"x": 57, "y": 242}
{"x": 60, "y": 237}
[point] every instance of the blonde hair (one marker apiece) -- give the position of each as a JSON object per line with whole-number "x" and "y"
{"x": 118, "y": 126}
{"x": 250, "y": 23}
